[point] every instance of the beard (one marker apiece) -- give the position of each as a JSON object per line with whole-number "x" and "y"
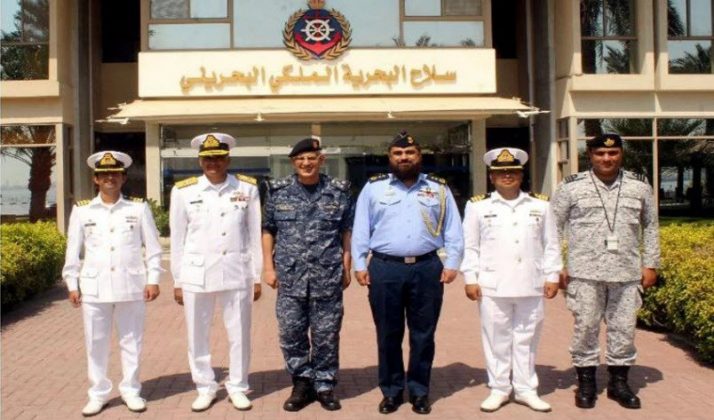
{"x": 405, "y": 173}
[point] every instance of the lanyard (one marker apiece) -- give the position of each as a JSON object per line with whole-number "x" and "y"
{"x": 604, "y": 209}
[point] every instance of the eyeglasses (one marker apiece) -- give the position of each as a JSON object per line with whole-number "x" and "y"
{"x": 308, "y": 158}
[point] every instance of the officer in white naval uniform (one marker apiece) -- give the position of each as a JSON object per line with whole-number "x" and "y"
{"x": 115, "y": 279}
{"x": 216, "y": 256}
{"x": 511, "y": 260}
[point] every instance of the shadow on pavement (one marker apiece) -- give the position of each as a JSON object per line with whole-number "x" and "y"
{"x": 162, "y": 387}
{"x": 552, "y": 379}
{"x": 35, "y": 306}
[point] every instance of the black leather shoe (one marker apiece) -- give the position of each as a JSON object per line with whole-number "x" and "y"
{"x": 420, "y": 405}
{"x": 328, "y": 400}
{"x": 389, "y": 404}
{"x": 302, "y": 395}
{"x": 619, "y": 390}
{"x": 586, "y": 394}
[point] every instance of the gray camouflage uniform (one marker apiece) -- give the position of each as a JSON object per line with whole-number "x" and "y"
{"x": 308, "y": 229}
{"x": 606, "y": 283}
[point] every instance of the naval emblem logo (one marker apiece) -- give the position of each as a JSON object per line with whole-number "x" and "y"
{"x": 316, "y": 33}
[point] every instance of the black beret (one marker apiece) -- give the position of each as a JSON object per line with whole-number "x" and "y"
{"x": 403, "y": 139}
{"x": 310, "y": 144}
{"x": 605, "y": 140}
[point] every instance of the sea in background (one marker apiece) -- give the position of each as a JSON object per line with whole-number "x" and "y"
{"x": 15, "y": 200}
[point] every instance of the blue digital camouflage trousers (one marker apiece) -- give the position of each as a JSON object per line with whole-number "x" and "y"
{"x": 309, "y": 330}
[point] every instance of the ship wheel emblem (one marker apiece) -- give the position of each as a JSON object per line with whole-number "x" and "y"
{"x": 317, "y": 33}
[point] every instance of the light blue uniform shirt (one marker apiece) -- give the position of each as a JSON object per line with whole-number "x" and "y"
{"x": 391, "y": 218}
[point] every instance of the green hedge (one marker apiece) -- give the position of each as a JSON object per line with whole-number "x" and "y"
{"x": 32, "y": 259}
{"x": 683, "y": 301}
{"x": 161, "y": 217}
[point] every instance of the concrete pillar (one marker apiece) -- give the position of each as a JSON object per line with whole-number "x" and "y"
{"x": 478, "y": 148}
{"x": 153, "y": 161}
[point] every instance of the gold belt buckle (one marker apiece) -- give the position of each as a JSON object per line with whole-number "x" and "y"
{"x": 409, "y": 260}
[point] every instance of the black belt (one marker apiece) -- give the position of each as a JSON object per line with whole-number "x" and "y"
{"x": 405, "y": 260}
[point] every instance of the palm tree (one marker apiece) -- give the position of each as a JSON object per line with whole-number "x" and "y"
{"x": 41, "y": 161}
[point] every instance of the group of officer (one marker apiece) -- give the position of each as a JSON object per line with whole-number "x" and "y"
{"x": 310, "y": 233}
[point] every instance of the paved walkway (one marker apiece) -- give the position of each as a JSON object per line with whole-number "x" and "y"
{"x": 44, "y": 367}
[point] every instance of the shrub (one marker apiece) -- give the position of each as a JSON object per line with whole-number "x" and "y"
{"x": 161, "y": 217}
{"x": 32, "y": 259}
{"x": 684, "y": 299}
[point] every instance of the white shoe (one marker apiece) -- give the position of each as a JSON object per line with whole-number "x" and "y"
{"x": 240, "y": 401}
{"x": 494, "y": 401}
{"x": 533, "y": 401}
{"x": 202, "y": 402}
{"x": 135, "y": 403}
{"x": 93, "y": 408}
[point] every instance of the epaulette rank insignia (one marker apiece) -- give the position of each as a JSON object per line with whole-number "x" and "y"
{"x": 479, "y": 197}
{"x": 246, "y": 178}
{"x": 539, "y": 196}
{"x": 378, "y": 177}
{"x": 637, "y": 176}
{"x": 136, "y": 199}
{"x": 186, "y": 182}
{"x": 81, "y": 203}
{"x": 435, "y": 178}
{"x": 341, "y": 184}
{"x": 570, "y": 178}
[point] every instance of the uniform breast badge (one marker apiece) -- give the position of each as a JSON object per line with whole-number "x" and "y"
{"x": 435, "y": 232}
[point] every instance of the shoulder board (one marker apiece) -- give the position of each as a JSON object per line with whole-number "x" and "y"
{"x": 539, "y": 196}
{"x": 573, "y": 177}
{"x": 340, "y": 184}
{"x": 436, "y": 179}
{"x": 378, "y": 177}
{"x": 81, "y": 203}
{"x": 276, "y": 184}
{"x": 479, "y": 197}
{"x": 633, "y": 175}
{"x": 246, "y": 178}
{"x": 186, "y": 182}
{"x": 135, "y": 199}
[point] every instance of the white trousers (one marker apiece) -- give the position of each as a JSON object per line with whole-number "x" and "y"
{"x": 236, "y": 306}
{"x": 510, "y": 331}
{"x": 129, "y": 320}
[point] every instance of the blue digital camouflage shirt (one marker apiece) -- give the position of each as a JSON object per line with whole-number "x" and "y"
{"x": 308, "y": 227}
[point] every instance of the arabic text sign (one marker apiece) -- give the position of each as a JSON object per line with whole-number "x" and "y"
{"x": 360, "y": 72}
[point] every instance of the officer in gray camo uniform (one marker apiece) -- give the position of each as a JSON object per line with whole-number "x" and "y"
{"x": 613, "y": 251}
{"x": 307, "y": 226}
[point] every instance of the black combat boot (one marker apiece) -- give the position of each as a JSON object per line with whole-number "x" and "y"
{"x": 587, "y": 387}
{"x": 302, "y": 395}
{"x": 618, "y": 390}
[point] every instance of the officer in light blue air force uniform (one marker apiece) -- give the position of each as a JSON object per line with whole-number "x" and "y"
{"x": 403, "y": 218}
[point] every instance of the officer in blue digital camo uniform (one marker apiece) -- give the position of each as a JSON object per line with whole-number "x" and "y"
{"x": 403, "y": 218}
{"x": 306, "y": 255}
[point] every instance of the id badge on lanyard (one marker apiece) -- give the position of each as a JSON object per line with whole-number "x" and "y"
{"x": 612, "y": 243}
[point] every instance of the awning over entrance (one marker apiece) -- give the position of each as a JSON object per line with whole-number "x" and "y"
{"x": 319, "y": 109}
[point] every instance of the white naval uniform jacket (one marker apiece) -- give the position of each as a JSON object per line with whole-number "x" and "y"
{"x": 112, "y": 235}
{"x": 215, "y": 234}
{"x": 511, "y": 247}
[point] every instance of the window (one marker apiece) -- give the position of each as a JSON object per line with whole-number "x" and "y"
{"x": 690, "y": 34}
{"x": 27, "y": 154}
{"x": 189, "y": 24}
{"x": 686, "y": 167}
{"x": 224, "y": 24}
{"x": 442, "y": 23}
{"x": 608, "y": 41}
{"x": 24, "y": 54}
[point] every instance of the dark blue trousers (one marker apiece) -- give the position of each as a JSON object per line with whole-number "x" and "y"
{"x": 414, "y": 292}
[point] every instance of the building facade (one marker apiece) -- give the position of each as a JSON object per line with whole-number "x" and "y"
{"x": 145, "y": 76}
